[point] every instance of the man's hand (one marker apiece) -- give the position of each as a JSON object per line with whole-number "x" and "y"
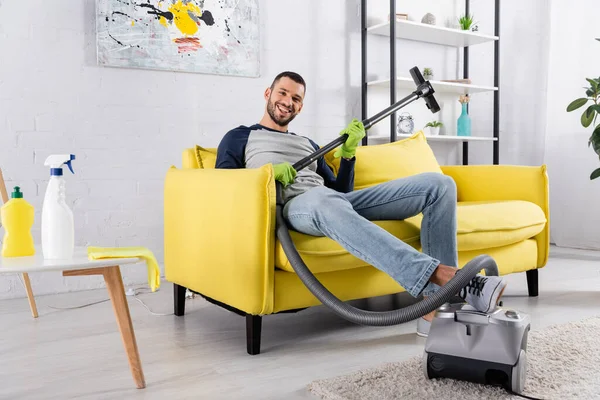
{"x": 284, "y": 173}
{"x": 355, "y": 131}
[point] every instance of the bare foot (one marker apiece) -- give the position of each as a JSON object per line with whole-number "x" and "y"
{"x": 429, "y": 317}
{"x": 443, "y": 274}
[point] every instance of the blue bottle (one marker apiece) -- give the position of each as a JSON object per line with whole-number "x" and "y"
{"x": 464, "y": 122}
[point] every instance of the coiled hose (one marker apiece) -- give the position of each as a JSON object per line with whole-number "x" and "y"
{"x": 376, "y": 318}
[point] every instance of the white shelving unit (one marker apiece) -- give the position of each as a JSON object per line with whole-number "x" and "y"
{"x": 435, "y": 34}
{"x": 454, "y": 138}
{"x": 443, "y": 36}
{"x": 438, "y": 86}
{"x": 443, "y": 138}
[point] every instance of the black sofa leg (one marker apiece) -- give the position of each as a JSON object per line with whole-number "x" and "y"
{"x": 532, "y": 282}
{"x": 179, "y": 299}
{"x": 253, "y": 328}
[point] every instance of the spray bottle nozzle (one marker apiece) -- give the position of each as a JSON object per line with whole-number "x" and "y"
{"x": 55, "y": 162}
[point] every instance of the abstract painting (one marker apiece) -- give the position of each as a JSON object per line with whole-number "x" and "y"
{"x": 203, "y": 36}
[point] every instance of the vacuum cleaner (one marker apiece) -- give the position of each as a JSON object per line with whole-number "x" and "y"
{"x": 462, "y": 344}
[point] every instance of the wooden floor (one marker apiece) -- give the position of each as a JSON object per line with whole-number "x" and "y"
{"x": 77, "y": 353}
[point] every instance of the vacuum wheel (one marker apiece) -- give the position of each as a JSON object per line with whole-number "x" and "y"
{"x": 518, "y": 373}
{"x": 424, "y": 364}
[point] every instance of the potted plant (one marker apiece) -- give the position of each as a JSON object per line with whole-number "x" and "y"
{"x": 427, "y": 74}
{"x": 434, "y": 127}
{"x": 465, "y": 22}
{"x": 589, "y": 116}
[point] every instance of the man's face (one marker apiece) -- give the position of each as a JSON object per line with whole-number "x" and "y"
{"x": 284, "y": 102}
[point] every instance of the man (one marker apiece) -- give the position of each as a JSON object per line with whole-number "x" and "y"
{"x": 320, "y": 204}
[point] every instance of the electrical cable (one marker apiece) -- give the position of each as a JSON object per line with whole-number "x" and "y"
{"x": 135, "y": 294}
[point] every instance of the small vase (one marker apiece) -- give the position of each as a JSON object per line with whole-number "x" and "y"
{"x": 463, "y": 124}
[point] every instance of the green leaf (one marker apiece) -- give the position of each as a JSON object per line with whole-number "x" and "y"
{"x": 587, "y": 117}
{"x": 595, "y": 140}
{"x": 595, "y": 174}
{"x": 575, "y": 104}
{"x": 589, "y": 93}
{"x": 593, "y": 83}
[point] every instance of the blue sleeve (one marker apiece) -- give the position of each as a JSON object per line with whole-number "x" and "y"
{"x": 232, "y": 149}
{"x": 344, "y": 182}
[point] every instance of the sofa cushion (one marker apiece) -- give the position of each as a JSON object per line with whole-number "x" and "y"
{"x": 487, "y": 224}
{"x": 206, "y": 158}
{"x": 481, "y": 225}
{"x": 380, "y": 163}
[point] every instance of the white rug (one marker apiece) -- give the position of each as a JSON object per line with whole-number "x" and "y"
{"x": 563, "y": 363}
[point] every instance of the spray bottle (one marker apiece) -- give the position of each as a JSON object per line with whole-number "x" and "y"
{"x": 58, "y": 228}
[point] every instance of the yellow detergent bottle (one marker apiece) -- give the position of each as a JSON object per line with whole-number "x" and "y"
{"x": 17, "y": 218}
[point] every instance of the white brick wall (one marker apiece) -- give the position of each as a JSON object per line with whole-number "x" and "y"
{"x": 128, "y": 126}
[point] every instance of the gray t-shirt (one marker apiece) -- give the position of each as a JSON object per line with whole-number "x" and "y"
{"x": 257, "y": 145}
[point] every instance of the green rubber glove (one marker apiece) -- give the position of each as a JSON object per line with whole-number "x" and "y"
{"x": 355, "y": 131}
{"x": 284, "y": 173}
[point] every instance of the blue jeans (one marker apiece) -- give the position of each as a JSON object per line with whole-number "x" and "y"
{"x": 345, "y": 218}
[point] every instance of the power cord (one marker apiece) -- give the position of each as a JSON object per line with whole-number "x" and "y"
{"x": 131, "y": 292}
{"x": 510, "y": 391}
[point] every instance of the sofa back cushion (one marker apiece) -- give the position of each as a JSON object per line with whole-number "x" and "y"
{"x": 375, "y": 164}
{"x": 380, "y": 163}
{"x": 205, "y": 158}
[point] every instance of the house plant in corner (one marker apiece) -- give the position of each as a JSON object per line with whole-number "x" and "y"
{"x": 434, "y": 127}
{"x": 590, "y": 115}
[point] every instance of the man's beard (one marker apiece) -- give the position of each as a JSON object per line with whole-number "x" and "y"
{"x": 277, "y": 120}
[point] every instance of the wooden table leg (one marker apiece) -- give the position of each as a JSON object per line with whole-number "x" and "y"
{"x": 114, "y": 284}
{"x": 116, "y": 291}
{"x": 30, "y": 297}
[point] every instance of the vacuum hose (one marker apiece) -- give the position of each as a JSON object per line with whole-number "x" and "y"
{"x": 353, "y": 314}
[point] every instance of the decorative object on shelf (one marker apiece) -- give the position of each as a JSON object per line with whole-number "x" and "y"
{"x": 400, "y": 17}
{"x": 475, "y": 28}
{"x": 465, "y": 22}
{"x": 434, "y": 127}
{"x": 406, "y": 125}
{"x": 427, "y": 74}
{"x": 429, "y": 19}
{"x": 589, "y": 116}
{"x": 190, "y": 36}
{"x": 463, "y": 124}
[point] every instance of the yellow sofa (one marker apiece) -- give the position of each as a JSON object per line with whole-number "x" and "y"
{"x": 220, "y": 230}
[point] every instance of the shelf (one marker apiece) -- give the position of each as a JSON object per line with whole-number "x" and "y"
{"x": 443, "y": 138}
{"x": 438, "y": 86}
{"x": 417, "y": 31}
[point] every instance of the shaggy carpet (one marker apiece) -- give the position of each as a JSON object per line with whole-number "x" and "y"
{"x": 563, "y": 363}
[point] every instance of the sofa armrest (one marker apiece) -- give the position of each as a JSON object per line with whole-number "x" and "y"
{"x": 219, "y": 227}
{"x": 506, "y": 182}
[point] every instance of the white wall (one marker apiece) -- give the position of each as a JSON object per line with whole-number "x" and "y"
{"x": 574, "y": 55}
{"x": 128, "y": 126}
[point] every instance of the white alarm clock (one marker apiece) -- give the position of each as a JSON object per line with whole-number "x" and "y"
{"x": 406, "y": 125}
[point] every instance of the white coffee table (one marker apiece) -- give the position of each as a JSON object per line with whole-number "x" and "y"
{"x": 79, "y": 264}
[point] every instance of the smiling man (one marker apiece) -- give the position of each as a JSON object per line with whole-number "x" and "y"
{"x": 319, "y": 203}
{"x": 269, "y": 141}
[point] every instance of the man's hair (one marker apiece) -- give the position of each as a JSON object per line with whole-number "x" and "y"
{"x": 292, "y": 75}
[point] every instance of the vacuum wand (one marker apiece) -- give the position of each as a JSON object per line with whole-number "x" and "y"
{"x": 424, "y": 90}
